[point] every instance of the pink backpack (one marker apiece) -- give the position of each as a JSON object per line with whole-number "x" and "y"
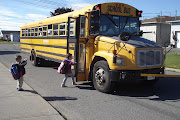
{"x": 60, "y": 67}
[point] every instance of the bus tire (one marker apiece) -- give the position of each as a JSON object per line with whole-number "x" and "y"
{"x": 101, "y": 77}
{"x": 34, "y": 59}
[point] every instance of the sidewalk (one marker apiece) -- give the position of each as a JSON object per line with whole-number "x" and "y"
{"x": 22, "y": 105}
{"x": 173, "y": 70}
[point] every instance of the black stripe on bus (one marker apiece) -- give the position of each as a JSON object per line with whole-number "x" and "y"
{"x": 63, "y": 47}
{"x": 61, "y": 55}
{"x": 52, "y": 37}
{"x": 48, "y": 58}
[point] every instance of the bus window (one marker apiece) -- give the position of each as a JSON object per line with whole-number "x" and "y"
{"x": 40, "y": 31}
{"x": 72, "y": 33}
{"x": 62, "y": 29}
{"x": 32, "y": 32}
{"x": 55, "y": 29}
{"x": 26, "y": 32}
{"x": 82, "y": 51}
{"x": 29, "y": 30}
{"x": 36, "y": 31}
{"x": 23, "y": 32}
{"x": 50, "y": 30}
{"x": 82, "y": 27}
{"x": 44, "y": 31}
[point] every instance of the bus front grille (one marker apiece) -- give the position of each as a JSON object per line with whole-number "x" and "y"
{"x": 149, "y": 58}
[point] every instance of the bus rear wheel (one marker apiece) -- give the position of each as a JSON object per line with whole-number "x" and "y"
{"x": 101, "y": 77}
{"x": 34, "y": 59}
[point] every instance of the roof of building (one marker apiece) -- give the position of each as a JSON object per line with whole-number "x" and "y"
{"x": 9, "y": 31}
{"x": 145, "y": 23}
{"x": 161, "y": 19}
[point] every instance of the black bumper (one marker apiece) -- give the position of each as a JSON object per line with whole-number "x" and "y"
{"x": 120, "y": 75}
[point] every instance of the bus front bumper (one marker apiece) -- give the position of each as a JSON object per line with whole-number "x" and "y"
{"x": 128, "y": 75}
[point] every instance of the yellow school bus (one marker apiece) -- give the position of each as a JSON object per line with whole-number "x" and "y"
{"x": 105, "y": 40}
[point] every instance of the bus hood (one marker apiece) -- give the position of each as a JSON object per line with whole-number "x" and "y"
{"x": 138, "y": 42}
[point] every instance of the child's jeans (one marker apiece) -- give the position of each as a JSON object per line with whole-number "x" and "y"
{"x": 20, "y": 83}
{"x": 66, "y": 77}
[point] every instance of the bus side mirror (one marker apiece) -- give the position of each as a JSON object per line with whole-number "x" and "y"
{"x": 94, "y": 22}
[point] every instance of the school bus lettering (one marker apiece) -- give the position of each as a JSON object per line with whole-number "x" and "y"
{"x": 127, "y": 10}
{"x": 114, "y": 9}
{"x": 104, "y": 55}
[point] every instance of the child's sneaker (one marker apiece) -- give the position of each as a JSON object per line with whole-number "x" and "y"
{"x": 74, "y": 84}
{"x": 63, "y": 86}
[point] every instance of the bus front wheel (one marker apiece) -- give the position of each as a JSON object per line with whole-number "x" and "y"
{"x": 101, "y": 77}
{"x": 34, "y": 59}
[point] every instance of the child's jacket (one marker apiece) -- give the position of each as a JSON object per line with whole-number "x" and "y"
{"x": 20, "y": 67}
{"x": 69, "y": 63}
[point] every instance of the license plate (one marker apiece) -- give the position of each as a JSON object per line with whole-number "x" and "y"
{"x": 150, "y": 78}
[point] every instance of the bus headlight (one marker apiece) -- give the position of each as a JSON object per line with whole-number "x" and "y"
{"x": 120, "y": 61}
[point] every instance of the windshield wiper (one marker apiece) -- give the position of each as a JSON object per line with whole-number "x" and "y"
{"x": 112, "y": 21}
{"x": 125, "y": 23}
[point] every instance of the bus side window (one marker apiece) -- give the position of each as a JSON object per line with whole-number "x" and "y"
{"x": 62, "y": 29}
{"x": 44, "y": 31}
{"x": 32, "y": 32}
{"x": 83, "y": 26}
{"x": 50, "y": 30}
{"x": 36, "y": 31}
{"x": 29, "y": 30}
{"x": 26, "y": 32}
{"x": 72, "y": 28}
{"x": 55, "y": 29}
{"x": 40, "y": 31}
{"x": 23, "y": 32}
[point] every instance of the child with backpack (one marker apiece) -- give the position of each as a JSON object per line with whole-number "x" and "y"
{"x": 19, "y": 65}
{"x": 65, "y": 68}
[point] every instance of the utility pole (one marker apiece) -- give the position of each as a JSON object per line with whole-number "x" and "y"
{"x": 161, "y": 17}
{"x": 175, "y": 14}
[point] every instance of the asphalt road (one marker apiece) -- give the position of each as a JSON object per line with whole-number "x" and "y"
{"x": 129, "y": 102}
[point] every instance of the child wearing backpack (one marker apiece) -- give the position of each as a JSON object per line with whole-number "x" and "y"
{"x": 65, "y": 68}
{"x": 21, "y": 70}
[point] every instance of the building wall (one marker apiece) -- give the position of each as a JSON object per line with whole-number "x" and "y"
{"x": 149, "y": 32}
{"x": 175, "y": 29}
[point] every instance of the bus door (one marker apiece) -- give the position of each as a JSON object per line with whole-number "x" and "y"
{"x": 76, "y": 46}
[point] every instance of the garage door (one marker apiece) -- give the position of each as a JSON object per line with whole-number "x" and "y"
{"x": 178, "y": 37}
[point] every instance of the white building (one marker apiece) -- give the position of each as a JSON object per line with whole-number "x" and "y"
{"x": 175, "y": 33}
{"x": 158, "y": 32}
{"x": 13, "y": 36}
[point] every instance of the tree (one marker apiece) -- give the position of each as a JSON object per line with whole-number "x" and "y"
{"x": 62, "y": 10}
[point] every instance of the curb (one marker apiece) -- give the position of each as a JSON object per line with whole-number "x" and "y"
{"x": 173, "y": 70}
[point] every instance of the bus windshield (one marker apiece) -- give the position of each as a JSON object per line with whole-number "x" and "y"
{"x": 111, "y": 25}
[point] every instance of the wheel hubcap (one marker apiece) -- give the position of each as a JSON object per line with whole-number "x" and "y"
{"x": 100, "y": 76}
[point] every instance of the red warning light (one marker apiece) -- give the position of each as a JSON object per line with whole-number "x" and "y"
{"x": 97, "y": 8}
{"x": 139, "y": 13}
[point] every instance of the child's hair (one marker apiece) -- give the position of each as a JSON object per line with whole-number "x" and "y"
{"x": 18, "y": 57}
{"x": 68, "y": 55}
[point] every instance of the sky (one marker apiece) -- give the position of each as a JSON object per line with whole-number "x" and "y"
{"x": 15, "y": 13}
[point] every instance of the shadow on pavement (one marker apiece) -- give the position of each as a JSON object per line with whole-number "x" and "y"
{"x": 9, "y": 52}
{"x": 164, "y": 89}
{"x": 31, "y": 91}
{"x": 54, "y": 98}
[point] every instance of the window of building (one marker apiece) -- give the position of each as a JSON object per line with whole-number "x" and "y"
{"x": 40, "y": 31}
{"x": 55, "y": 29}
{"x": 32, "y": 32}
{"x": 23, "y": 32}
{"x": 36, "y": 31}
{"x": 50, "y": 30}
{"x": 44, "y": 31}
{"x": 62, "y": 29}
{"x": 29, "y": 32}
{"x": 82, "y": 26}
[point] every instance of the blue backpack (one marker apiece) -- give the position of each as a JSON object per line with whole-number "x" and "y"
{"x": 14, "y": 72}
